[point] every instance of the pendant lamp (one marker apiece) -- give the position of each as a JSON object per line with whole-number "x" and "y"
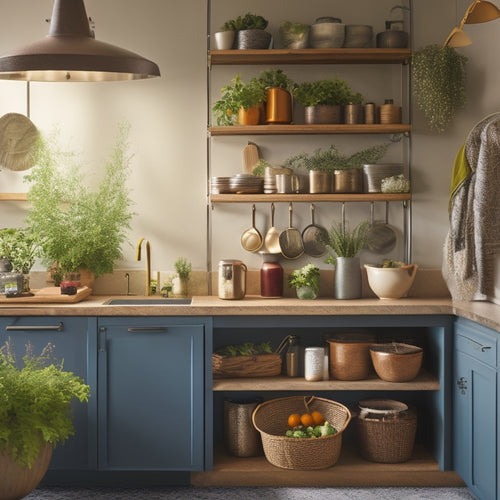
{"x": 478, "y": 11}
{"x": 69, "y": 53}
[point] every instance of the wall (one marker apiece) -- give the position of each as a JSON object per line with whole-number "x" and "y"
{"x": 168, "y": 119}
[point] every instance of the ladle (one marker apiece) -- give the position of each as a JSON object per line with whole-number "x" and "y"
{"x": 251, "y": 239}
{"x": 272, "y": 238}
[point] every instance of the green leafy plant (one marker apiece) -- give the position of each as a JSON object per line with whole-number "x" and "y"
{"x": 183, "y": 268}
{"x": 276, "y": 78}
{"x": 438, "y": 78}
{"x": 306, "y": 276}
{"x": 35, "y": 402}
{"x": 246, "y": 349}
{"x": 260, "y": 167}
{"x": 328, "y": 160}
{"x": 76, "y": 227}
{"x": 247, "y": 22}
{"x": 238, "y": 95}
{"x": 21, "y": 247}
{"x": 330, "y": 92}
{"x": 293, "y": 28}
{"x": 344, "y": 243}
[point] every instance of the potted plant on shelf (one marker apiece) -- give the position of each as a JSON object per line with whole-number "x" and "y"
{"x": 250, "y": 31}
{"x": 34, "y": 416}
{"x": 294, "y": 35}
{"x": 345, "y": 246}
{"x": 180, "y": 282}
{"x": 305, "y": 281}
{"x": 278, "y": 88}
{"x": 80, "y": 230}
{"x": 323, "y": 99}
{"x": 438, "y": 77}
{"x": 224, "y": 38}
{"x": 240, "y": 102}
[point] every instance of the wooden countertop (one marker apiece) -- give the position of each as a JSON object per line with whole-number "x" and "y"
{"x": 485, "y": 313}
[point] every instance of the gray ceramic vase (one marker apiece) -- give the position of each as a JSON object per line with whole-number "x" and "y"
{"x": 347, "y": 278}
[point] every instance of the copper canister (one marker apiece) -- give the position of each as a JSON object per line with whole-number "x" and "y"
{"x": 278, "y": 106}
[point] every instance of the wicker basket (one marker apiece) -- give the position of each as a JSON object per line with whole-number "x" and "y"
{"x": 387, "y": 440}
{"x": 271, "y": 420}
{"x": 260, "y": 365}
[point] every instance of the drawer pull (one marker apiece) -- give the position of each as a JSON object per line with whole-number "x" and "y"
{"x": 478, "y": 346}
{"x": 34, "y": 328}
{"x": 147, "y": 329}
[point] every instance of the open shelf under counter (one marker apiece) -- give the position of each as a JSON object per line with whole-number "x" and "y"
{"x": 423, "y": 382}
{"x": 304, "y": 129}
{"x": 308, "y": 198}
{"x": 350, "y": 470}
{"x": 310, "y": 56}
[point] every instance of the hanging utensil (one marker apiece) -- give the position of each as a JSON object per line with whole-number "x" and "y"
{"x": 380, "y": 238}
{"x": 251, "y": 239}
{"x": 272, "y": 238}
{"x": 314, "y": 237}
{"x": 291, "y": 243}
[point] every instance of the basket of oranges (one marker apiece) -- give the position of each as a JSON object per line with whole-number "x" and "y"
{"x": 301, "y": 432}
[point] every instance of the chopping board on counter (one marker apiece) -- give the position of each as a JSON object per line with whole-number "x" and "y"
{"x": 48, "y": 295}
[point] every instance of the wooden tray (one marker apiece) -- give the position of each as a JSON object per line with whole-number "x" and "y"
{"x": 49, "y": 294}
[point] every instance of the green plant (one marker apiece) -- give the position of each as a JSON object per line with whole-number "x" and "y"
{"x": 183, "y": 268}
{"x": 35, "y": 402}
{"x": 327, "y": 160}
{"x": 438, "y": 77}
{"x": 293, "y": 28}
{"x": 330, "y": 92}
{"x": 344, "y": 243}
{"x": 238, "y": 95}
{"x": 21, "y": 247}
{"x": 247, "y": 22}
{"x": 276, "y": 78}
{"x": 306, "y": 276}
{"x": 260, "y": 167}
{"x": 76, "y": 227}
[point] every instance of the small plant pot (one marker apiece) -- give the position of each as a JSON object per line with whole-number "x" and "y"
{"x": 223, "y": 40}
{"x": 278, "y": 106}
{"x": 291, "y": 40}
{"x": 353, "y": 114}
{"x": 253, "y": 39}
{"x": 306, "y": 293}
{"x": 250, "y": 116}
{"x": 322, "y": 113}
{"x": 348, "y": 181}
{"x": 320, "y": 182}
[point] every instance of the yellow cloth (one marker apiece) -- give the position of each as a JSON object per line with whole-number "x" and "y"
{"x": 461, "y": 170}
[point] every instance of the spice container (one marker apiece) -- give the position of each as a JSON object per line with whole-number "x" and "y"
{"x": 390, "y": 113}
{"x": 232, "y": 279}
{"x": 314, "y": 360}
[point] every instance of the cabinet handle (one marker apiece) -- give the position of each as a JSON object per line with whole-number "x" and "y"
{"x": 147, "y": 329}
{"x": 478, "y": 346}
{"x": 33, "y": 328}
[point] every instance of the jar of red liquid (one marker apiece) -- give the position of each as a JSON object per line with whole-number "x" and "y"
{"x": 70, "y": 284}
{"x": 271, "y": 275}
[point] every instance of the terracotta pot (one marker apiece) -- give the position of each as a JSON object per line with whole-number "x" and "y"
{"x": 17, "y": 481}
{"x": 278, "y": 106}
{"x": 250, "y": 116}
{"x": 322, "y": 114}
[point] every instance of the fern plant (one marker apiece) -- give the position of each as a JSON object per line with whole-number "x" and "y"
{"x": 344, "y": 243}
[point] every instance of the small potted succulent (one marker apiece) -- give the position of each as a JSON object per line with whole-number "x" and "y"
{"x": 240, "y": 102}
{"x": 279, "y": 89}
{"x": 305, "y": 281}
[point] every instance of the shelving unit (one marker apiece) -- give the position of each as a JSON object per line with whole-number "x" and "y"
{"x": 13, "y": 197}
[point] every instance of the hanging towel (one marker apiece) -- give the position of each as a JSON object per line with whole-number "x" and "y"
{"x": 473, "y": 238}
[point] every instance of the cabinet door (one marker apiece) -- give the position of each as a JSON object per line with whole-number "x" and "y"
{"x": 151, "y": 395}
{"x": 71, "y": 337}
{"x": 475, "y": 417}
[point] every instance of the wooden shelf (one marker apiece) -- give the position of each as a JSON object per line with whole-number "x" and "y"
{"x": 396, "y": 128}
{"x": 307, "y": 198}
{"x": 423, "y": 382}
{"x": 350, "y": 470}
{"x": 13, "y": 197}
{"x": 310, "y": 56}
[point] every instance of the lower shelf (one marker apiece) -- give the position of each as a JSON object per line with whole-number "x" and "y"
{"x": 350, "y": 470}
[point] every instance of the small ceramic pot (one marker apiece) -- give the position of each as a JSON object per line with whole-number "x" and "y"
{"x": 223, "y": 40}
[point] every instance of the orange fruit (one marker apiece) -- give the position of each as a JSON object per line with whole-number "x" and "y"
{"x": 318, "y": 419}
{"x": 306, "y": 420}
{"x": 294, "y": 420}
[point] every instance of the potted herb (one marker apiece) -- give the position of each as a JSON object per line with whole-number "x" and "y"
{"x": 438, "y": 77}
{"x": 224, "y": 38}
{"x": 323, "y": 99}
{"x": 250, "y": 31}
{"x": 34, "y": 415}
{"x": 240, "y": 102}
{"x": 278, "y": 88}
{"x": 294, "y": 35}
{"x": 79, "y": 229}
{"x": 180, "y": 282}
{"x": 345, "y": 246}
{"x": 305, "y": 281}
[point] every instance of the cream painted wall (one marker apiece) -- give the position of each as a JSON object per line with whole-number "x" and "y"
{"x": 168, "y": 119}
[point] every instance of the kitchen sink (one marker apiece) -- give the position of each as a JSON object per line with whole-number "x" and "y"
{"x": 147, "y": 302}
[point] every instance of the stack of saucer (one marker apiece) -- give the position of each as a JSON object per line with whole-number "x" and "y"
{"x": 246, "y": 184}
{"x": 220, "y": 185}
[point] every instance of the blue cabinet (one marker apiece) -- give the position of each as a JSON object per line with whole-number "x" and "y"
{"x": 151, "y": 393}
{"x": 73, "y": 338}
{"x": 475, "y": 408}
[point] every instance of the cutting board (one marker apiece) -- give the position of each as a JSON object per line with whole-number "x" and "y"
{"x": 49, "y": 295}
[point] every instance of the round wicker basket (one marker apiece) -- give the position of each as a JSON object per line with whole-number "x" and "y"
{"x": 270, "y": 419}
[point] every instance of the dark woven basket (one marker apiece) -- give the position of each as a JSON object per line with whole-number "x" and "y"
{"x": 271, "y": 420}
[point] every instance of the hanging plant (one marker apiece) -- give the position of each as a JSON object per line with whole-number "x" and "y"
{"x": 438, "y": 79}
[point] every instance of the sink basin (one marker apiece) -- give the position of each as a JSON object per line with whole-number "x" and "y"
{"x": 147, "y": 302}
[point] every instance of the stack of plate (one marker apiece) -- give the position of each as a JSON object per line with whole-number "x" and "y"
{"x": 375, "y": 172}
{"x": 246, "y": 184}
{"x": 220, "y": 185}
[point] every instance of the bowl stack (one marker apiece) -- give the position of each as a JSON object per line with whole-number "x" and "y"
{"x": 220, "y": 185}
{"x": 246, "y": 184}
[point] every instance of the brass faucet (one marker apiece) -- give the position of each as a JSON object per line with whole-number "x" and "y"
{"x": 148, "y": 263}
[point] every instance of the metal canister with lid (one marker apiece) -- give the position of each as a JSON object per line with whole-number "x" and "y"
{"x": 232, "y": 279}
